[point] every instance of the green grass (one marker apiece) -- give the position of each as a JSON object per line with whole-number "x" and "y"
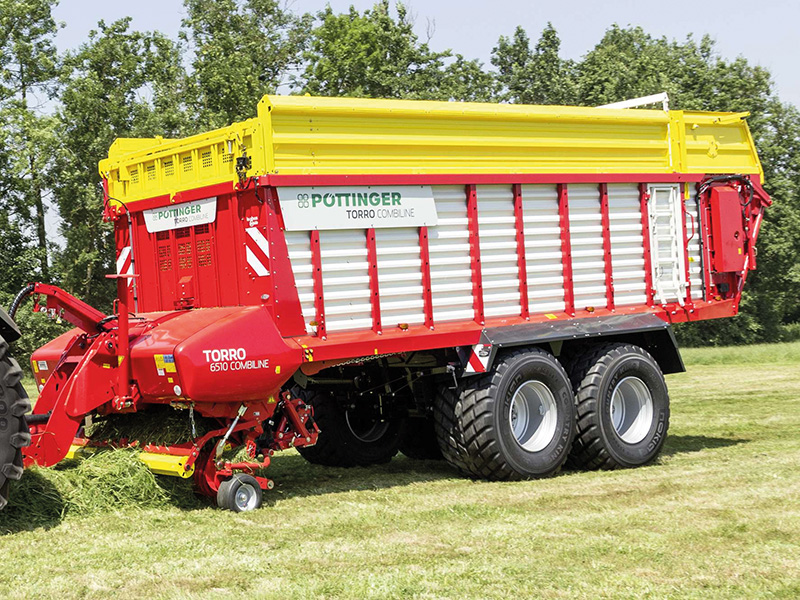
{"x": 718, "y": 516}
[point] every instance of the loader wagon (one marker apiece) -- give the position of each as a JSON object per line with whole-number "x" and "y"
{"x": 492, "y": 285}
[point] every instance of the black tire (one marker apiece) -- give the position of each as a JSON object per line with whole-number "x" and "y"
{"x": 489, "y": 430}
{"x": 240, "y": 493}
{"x": 419, "y": 440}
{"x": 338, "y": 444}
{"x": 14, "y": 433}
{"x": 640, "y": 432}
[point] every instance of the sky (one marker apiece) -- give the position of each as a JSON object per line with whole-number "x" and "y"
{"x": 763, "y": 32}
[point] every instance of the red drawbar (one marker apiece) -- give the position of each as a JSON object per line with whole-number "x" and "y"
{"x": 644, "y": 197}
{"x": 607, "y": 246}
{"x": 316, "y": 272}
{"x": 425, "y": 261}
{"x": 475, "y": 253}
{"x": 374, "y": 293}
{"x": 519, "y": 224}
{"x": 566, "y": 248}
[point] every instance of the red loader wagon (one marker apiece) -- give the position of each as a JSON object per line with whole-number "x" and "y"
{"x": 489, "y": 284}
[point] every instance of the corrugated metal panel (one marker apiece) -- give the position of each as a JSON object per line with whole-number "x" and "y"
{"x": 542, "y": 248}
{"x": 498, "y": 244}
{"x": 586, "y": 237}
{"x": 345, "y": 279}
{"x": 400, "y": 276}
{"x": 627, "y": 244}
{"x": 448, "y": 242}
{"x": 693, "y": 229}
{"x": 299, "y": 245}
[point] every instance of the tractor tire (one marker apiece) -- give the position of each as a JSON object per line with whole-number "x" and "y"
{"x": 623, "y": 407}
{"x": 14, "y": 434}
{"x": 515, "y": 422}
{"x": 419, "y": 440}
{"x": 345, "y": 439}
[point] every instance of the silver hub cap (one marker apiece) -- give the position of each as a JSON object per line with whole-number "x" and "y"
{"x": 533, "y": 416}
{"x": 245, "y": 497}
{"x": 631, "y": 410}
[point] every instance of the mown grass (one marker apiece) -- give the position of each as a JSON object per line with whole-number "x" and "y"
{"x": 718, "y": 516}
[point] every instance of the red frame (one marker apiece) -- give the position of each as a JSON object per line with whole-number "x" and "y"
{"x": 374, "y": 292}
{"x": 644, "y": 197}
{"x": 475, "y": 253}
{"x": 519, "y": 225}
{"x": 604, "y": 219}
{"x": 425, "y": 266}
{"x": 316, "y": 274}
{"x": 566, "y": 249}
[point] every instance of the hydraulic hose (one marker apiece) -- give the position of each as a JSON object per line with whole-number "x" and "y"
{"x": 23, "y": 293}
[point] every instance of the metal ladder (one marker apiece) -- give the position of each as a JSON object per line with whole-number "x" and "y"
{"x": 666, "y": 244}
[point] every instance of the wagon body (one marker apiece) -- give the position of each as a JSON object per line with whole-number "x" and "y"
{"x": 370, "y": 259}
{"x": 382, "y": 226}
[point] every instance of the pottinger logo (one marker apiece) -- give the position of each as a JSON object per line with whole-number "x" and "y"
{"x": 359, "y": 205}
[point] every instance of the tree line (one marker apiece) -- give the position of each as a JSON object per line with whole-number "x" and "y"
{"x": 61, "y": 110}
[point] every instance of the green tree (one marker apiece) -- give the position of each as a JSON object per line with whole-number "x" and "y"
{"x": 533, "y": 76}
{"x": 377, "y": 55}
{"x": 242, "y": 49}
{"x": 28, "y": 71}
{"x": 120, "y": 83}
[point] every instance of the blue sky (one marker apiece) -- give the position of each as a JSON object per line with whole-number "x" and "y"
{"x": 764, "y": 32}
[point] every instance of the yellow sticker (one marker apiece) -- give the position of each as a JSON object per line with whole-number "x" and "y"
{"x": 120, "y": 359}
{"x": 271, "y": 400}
{"x": 550, "y": 316}
{"x": 169, "y": 380}
{"x": 159, "y": 358}
{"x": 106, "y": 366}
{"x": 376, "y": 352}
{"x": 35, "y": 366}
{"x": 169, "y": 367}
{"x": 740, "y": 250}
{"x": 44, "y": 380}
{"x": 277, "y": 369}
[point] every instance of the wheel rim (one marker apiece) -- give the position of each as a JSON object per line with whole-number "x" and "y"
{"x": 631, "y": 410}
{"x": 245, "y": 497}
{"x": 365, "y": 430}
{"x": 533, "y": 416}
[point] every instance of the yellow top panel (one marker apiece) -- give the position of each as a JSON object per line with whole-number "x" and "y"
{"x": 295, "y": 135}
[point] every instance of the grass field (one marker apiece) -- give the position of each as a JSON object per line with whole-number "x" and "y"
{"x": 718, "y": 516}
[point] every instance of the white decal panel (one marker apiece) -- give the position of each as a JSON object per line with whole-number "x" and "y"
{"x": 180, "y": 215}
{"x": 357, "y": 207}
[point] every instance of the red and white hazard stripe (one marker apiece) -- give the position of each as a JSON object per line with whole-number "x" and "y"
{"x": 125, "y": 263}
{"x": 479, "y": 358}
{"x": 257, "y": 250}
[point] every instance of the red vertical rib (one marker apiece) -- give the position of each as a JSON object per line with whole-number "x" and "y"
{"x": 475, "y": 253}
{"x": 425, "y": 262}
{"x": 374, "y": 294}
{"x": 685, "y": 188}
{"x": 316, "y": 274}
{"x": 644, "y": 197}
{"x": 566, "y": 248}
{"x": 607, "y": 246}
{"x": 523, "y": 270}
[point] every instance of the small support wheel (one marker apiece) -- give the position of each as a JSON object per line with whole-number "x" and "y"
{"x": 240, "y": 493}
